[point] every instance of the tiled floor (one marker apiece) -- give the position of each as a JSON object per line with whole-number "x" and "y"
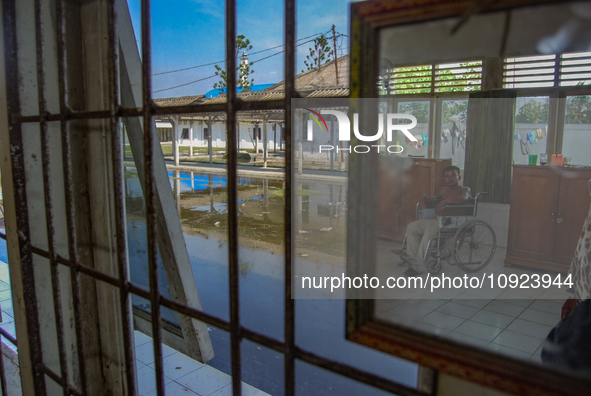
{"x": 6, "y": 304}
{"x": 182, "y": 375}
{"x": 506, "y": 322}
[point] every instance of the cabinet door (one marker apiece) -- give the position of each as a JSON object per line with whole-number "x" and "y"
{"x": 402, "y": 182}
{"x": 418, "y": 180}
{"x": 573, "y": 206}
{"x": 534, "y": 200}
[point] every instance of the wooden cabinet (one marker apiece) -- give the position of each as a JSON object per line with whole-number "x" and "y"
{"x": 402, "y": 181}
{"x": 548, "y": 208}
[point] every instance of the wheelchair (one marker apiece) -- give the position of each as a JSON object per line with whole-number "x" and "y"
{"x": 461, "y": 239}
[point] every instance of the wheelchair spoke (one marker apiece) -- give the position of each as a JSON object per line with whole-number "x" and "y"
{"x": 474, "y": 245}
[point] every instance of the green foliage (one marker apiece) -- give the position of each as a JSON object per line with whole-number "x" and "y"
{"x": 457, "y": 108}
{"x": 418, "y": 79}
{"x": 449, "y": 79}
{"x": 578, "y": 110}
{"x": 418, "y": 109}
{"x": 532, "y": 111}
{"x": 243, "y": 72}
{"x": 536, "y": 110}
{"x": 319, "y": 55}
{"x": 451, "y": 109}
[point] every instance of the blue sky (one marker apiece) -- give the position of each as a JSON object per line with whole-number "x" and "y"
{"x": 188, "y": 33}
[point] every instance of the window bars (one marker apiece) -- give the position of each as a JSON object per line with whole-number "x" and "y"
{"x": 74, "y": 374}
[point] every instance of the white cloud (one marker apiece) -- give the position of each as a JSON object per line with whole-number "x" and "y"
{"x": 211, "y": 7}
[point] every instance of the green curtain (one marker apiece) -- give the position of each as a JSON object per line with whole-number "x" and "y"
{"x": 489, "y": 144}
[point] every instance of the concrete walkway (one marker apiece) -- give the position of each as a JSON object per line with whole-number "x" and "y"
{"x": 256, "y": 171}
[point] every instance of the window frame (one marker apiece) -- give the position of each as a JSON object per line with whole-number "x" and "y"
{"x": 447, "y": 356}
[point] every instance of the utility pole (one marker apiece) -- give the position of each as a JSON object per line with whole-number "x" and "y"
{"x": 336, "y": 58}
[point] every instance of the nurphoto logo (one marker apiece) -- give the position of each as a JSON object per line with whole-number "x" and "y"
{"x": 345, "y": 130}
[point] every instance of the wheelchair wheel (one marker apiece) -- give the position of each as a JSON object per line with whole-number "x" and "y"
{"x": 474, "y": 245}
{"x": 433, "y": 267}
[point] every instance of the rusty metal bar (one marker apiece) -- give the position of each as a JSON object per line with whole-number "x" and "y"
{"x": 150, "y": 191}
{"x": 20, "y": 196}
{"x": 2, "y": 373}
{"x": 55, "y": 284}
{"x": 54, "y": 376}
{"x": 235, "y": 335}
{"x": 119, "y": 197}
{"x": 69, "y": 194}
{"x": 289, "y": 361}
{"x": 69, "y": 114}
{"x": 358, "y": 375}
{"x": 8, "y": 336}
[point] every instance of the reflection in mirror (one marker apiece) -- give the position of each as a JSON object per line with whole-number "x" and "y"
{"x": 491, "y": 92}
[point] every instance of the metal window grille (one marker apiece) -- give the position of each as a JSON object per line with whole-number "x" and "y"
{"x": 66, "y": 116}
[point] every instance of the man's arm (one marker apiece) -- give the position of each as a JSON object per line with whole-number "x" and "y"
{"x": 459, "y": 196}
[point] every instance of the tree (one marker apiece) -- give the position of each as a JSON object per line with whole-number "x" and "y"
{"x": 578, "y": 110}
{"x": 319, "y": 55}
{"x": 532, "y": 110}
{"x": 454, "y": 108}
{"x": 243, "y": 71}
{"x": 418, "y": 109}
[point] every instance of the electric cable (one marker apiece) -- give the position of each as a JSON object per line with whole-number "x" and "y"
{"x": 214, "y": 63}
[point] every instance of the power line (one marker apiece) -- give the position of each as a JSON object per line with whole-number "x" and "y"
{"x": 214, "y": 63}
{"x": 182, "y": 85}
{"x": 280, "y": 52}
{"x": 252, "y": 63}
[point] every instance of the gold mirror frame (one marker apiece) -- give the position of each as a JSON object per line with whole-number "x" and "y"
{"x": 444, "y": 355}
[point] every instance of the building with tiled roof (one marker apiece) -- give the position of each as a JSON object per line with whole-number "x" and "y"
{"x": 193, "y": 130}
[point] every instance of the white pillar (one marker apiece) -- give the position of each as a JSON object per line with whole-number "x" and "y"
{"x": 191, "y": 140}
{"x": 256, "y": 140}
{"x": 175, "y": 143}
{"x": 177, "y": 188}
{"x": 265, "y": 142}
{"x": 209, "y": 147}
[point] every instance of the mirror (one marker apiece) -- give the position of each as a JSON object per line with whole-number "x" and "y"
{"x": 493, "y": 87}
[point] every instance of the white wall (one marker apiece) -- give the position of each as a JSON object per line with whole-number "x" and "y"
{"x": 219, "y": 135}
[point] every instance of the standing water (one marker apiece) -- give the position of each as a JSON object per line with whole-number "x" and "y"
{"x": 320, "y": 233}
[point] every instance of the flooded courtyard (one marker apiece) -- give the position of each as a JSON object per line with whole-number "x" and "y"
{"x": 320, "y": 244}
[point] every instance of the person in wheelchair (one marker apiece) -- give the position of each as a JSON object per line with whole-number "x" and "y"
{"x": 419, "y": 232}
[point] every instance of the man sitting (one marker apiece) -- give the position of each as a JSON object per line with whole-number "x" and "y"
{"x": 419, "y": 232}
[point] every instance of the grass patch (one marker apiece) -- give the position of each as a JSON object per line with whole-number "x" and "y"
{"x": 242, "y": 157}
{"x": 298, "y": 193}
